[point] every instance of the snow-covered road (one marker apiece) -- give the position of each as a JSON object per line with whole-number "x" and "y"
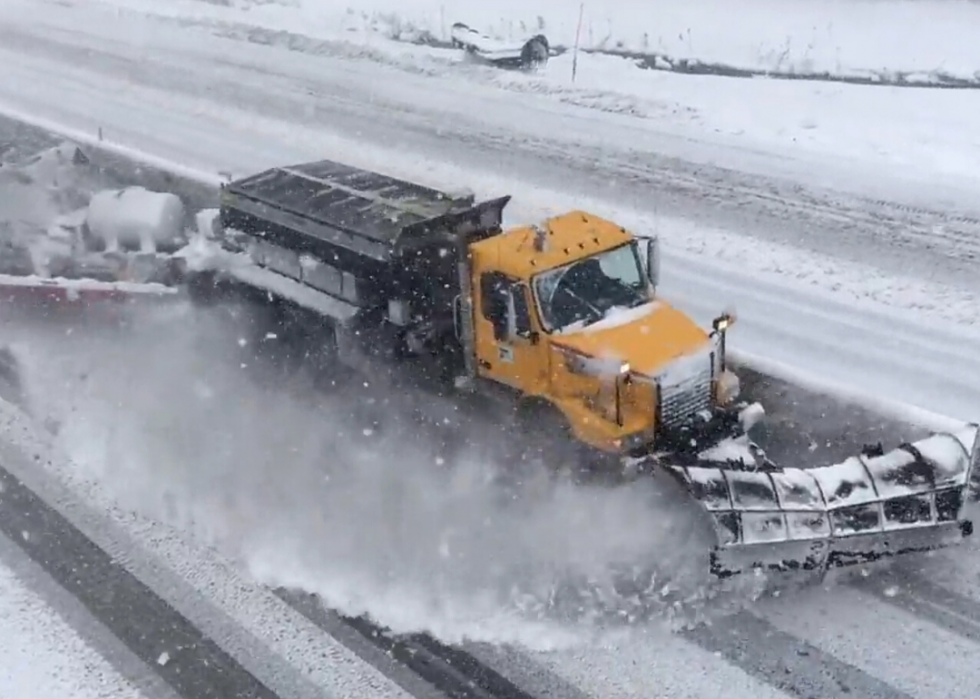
{"x": 877, "y": 298}
{"x": 43, "y": 648}
{"x": 206, "y": 584}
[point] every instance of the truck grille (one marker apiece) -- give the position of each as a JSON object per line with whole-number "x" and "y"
{"x": 684, "y": 394}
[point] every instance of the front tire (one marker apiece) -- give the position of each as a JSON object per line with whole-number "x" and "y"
{"x": 202, "y": 288}
{"x": 547, "y": 439}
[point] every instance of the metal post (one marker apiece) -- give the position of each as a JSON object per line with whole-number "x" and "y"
{"x": 578, "y": 33}
{"x": 724, "y": 353}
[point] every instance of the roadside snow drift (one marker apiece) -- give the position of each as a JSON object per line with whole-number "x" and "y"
{"x": 918, "y": 41}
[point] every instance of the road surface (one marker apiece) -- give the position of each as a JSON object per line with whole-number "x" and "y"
{"x": 175, "y": 536}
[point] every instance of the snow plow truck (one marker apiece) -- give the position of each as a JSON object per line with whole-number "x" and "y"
{"x": 561, "y": 326}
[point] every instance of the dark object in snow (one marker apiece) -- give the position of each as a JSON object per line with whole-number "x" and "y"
{"x": 526, "y": 56}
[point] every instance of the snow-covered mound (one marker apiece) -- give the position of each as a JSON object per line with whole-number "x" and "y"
{"x": 49, "y": 184}
{"x": 918, "y": 42}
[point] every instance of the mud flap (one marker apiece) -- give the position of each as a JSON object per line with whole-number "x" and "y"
{"x": 868, "y": 507}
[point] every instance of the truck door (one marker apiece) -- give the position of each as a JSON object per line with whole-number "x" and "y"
{"x": 508, "y": 347}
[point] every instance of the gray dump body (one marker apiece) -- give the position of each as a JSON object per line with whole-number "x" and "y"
{"x": 373, "y": 237}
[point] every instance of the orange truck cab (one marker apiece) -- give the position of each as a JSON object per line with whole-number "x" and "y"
{"x": 566, "y": 314}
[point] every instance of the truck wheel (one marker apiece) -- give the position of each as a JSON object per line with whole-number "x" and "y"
{"x": 322, "y": 359}
{"x": 300, "y": 342}
{"x": 202, "y": 288}
{"x": 535, "y": 53}
{"x": 547, "y": 438}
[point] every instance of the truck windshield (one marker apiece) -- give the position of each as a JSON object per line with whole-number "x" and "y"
{"x": 585, "y": 291}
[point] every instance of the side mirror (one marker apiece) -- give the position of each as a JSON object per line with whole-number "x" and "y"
{"x": 723, "y": 322}
{"x": 458, "y": 316}
{"x": 653, "y": 261}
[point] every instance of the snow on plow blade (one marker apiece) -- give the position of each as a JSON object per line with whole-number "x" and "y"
{"x": 866, "y": 508}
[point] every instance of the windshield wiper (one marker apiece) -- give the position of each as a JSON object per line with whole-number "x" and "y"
{"x": 596, "y": 311}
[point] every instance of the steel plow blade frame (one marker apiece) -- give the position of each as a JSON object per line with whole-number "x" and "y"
{"x": 870, "y": 506}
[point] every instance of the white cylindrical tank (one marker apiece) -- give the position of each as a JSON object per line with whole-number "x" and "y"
{"x": 135, "y": 219}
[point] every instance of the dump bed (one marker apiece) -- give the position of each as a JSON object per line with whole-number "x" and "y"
{"x": 360, "y": 236}
{"x": 336, "y": 208}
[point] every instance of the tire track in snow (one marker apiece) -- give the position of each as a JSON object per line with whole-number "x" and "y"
{"x": 83, "y": 622}
{"x": 189, "y": 661}
{"x": 921, "y": 597}
{"x": 234, "y": 614}
{"x": 787, "y": 662}
{"x": 916, "y": 655}
{"x": 451, "y": 671}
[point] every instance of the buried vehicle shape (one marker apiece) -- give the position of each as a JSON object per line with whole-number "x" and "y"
{"x": 557, "y": 329}
{"x": 527, "y": 55}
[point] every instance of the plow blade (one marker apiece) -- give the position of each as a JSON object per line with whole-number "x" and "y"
{"x": 871, "y": 506}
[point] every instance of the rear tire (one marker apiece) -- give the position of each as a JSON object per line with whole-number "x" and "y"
{"x": 535, "y": 53}
{"x": 202, "y": 288}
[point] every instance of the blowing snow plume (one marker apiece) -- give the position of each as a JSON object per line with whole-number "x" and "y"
{"x": 183, "y": 423}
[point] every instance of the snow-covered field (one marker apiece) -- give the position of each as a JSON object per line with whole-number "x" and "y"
{"x": 857, "y": 137}
{"x": 854, "y": 38}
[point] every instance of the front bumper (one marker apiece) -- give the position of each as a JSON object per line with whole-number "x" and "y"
{"x": 683, "y": 443}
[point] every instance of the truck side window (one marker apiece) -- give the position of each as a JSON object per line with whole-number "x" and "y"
{"x": 494, "y": 301}
{"x": 493, "y": 296}
{"x": 522, "y": 314}
{"x": 498, "y": 293}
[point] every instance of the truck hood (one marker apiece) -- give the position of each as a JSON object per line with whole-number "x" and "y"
{"x": 648, "y": 337}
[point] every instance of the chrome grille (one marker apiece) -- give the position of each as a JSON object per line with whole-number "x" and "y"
{"x": 681, "y": 398}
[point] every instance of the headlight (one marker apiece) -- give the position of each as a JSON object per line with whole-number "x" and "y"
{"x": 723, "y": 322}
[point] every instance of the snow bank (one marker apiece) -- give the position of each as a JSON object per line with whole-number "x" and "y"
{"x": 53, "y": 182}
{"x": 923, "y": 41}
